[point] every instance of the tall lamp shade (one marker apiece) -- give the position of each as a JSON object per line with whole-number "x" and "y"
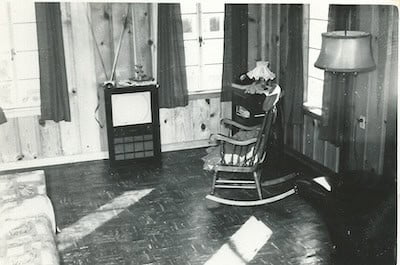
{"x": 346, "y": 52}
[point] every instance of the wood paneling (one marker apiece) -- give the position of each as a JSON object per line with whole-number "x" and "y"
{"x": 306, "y": 140}
{"x": 100, "y": 28}
{"x": 29, "y": 135}
{"x": 119, "y": 12}
{"x": 197, "y": 121}
{"x": 201, "y": 119}
{"x": 298, "y": 137}
{"x": 318, "y": 145}
{"x": 50, "y": 139}
{"x": 10, "y": 147}
{"x": 86, "y": 86}
{"x": 141, "y": 33}
{"x": 374, "y": 105}
{"x": 309, "y": 136}
{"x": 70, "y": 131}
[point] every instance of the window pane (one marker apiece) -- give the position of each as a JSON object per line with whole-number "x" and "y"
{"x": 25, "y": 37}
{"x": 191, "y": 52}
{"x": 6, "y": 97}
{"x": 212, "y": 77}
{"x": 213, "y": 25}
{"x": 316, "y": 28}
{"x": 213, "y": 50}
{"x": 212, "y": 6}
{"x": 314, "y": 92}
{"x": 312, "y": 70}
{"x": 27, "y": 64}
{"x": 5, "y": 67}
{"x": 23, "y": 11}
{"x": 192, "y": 75}
{"x": 319, "y": 9}
{"x": 29, "y": 92}
{"x": 318, "y": 23}
{"x": 5, "y": 39}
{"x": 189, "y": 25}
{"x": 188, "y": 7}
{"x": 3, "y": 12}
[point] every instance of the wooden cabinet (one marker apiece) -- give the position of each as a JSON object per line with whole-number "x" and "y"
{"x": 133, "y": 127}
{"x": 246, "y": 108}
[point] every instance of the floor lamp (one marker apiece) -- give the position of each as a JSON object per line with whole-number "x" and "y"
{"x": 346, "y": 53}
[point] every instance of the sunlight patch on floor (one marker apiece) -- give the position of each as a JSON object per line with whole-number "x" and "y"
{"x": 323, "y": 182}
{"x": 87, "y": 224}
{"x": 243, "y": 245}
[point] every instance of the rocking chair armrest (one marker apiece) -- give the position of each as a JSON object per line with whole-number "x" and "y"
{"x": 238, "y": 125}
{"x": 220, "y": 137}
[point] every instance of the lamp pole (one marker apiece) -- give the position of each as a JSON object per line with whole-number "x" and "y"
{"x": 347, "y": 82}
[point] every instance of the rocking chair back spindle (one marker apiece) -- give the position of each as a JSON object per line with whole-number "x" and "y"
{"x": 253, "y": 154}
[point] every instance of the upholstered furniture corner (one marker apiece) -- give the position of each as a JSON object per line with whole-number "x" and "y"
{"x": 27, "y": 221}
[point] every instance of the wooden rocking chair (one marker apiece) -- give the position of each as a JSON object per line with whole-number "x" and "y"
{"x": 245, "y": 152}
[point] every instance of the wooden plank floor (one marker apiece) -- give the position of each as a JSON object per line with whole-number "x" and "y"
{"x": 175, "y": 224}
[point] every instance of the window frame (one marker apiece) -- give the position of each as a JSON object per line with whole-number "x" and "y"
{"x": 317, "y": 22}
{"x": 200, "y": 40}
{"x": 14, "y": 51}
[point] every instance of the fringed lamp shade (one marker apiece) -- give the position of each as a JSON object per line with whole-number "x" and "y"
{"x": 346, "y": 51}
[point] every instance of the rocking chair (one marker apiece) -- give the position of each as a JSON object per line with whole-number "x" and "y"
{"x": 245, "y": 153}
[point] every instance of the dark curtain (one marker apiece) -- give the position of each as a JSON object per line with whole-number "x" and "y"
{"x": 336, "y": 94}
{"x": 3, "y": 118}
{"x": 171, "y": 72}
{"x": 292, "y": 81}
{"x": 53, "y": 78}
{"x": 284, "y": 50}
{"x": 235, "y": 46}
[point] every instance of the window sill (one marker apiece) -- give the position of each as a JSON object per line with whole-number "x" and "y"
{"x": 314, "y": 112}
{"x": 21, "y": 112}
{"x": 205, "y": 94}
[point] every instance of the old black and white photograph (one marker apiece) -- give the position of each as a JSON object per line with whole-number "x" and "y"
{"x": 198, "y": 132}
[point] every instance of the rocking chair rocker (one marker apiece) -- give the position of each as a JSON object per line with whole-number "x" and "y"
{"x": 245, "y": 152}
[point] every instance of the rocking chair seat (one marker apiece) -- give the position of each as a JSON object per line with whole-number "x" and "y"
{"x": 213, "y": 158}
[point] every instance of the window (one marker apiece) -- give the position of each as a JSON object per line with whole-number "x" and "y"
{"x": 318, "y": 23}
{"x": 19, "y": 60}
{"x": 203, "y": 34}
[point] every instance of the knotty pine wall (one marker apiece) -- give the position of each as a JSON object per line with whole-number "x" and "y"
{"x": 26, "y": 143}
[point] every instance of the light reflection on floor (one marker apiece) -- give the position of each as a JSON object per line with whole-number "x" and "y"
{"x": 243, "y": 246}
{"x": 86, "y": 225}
